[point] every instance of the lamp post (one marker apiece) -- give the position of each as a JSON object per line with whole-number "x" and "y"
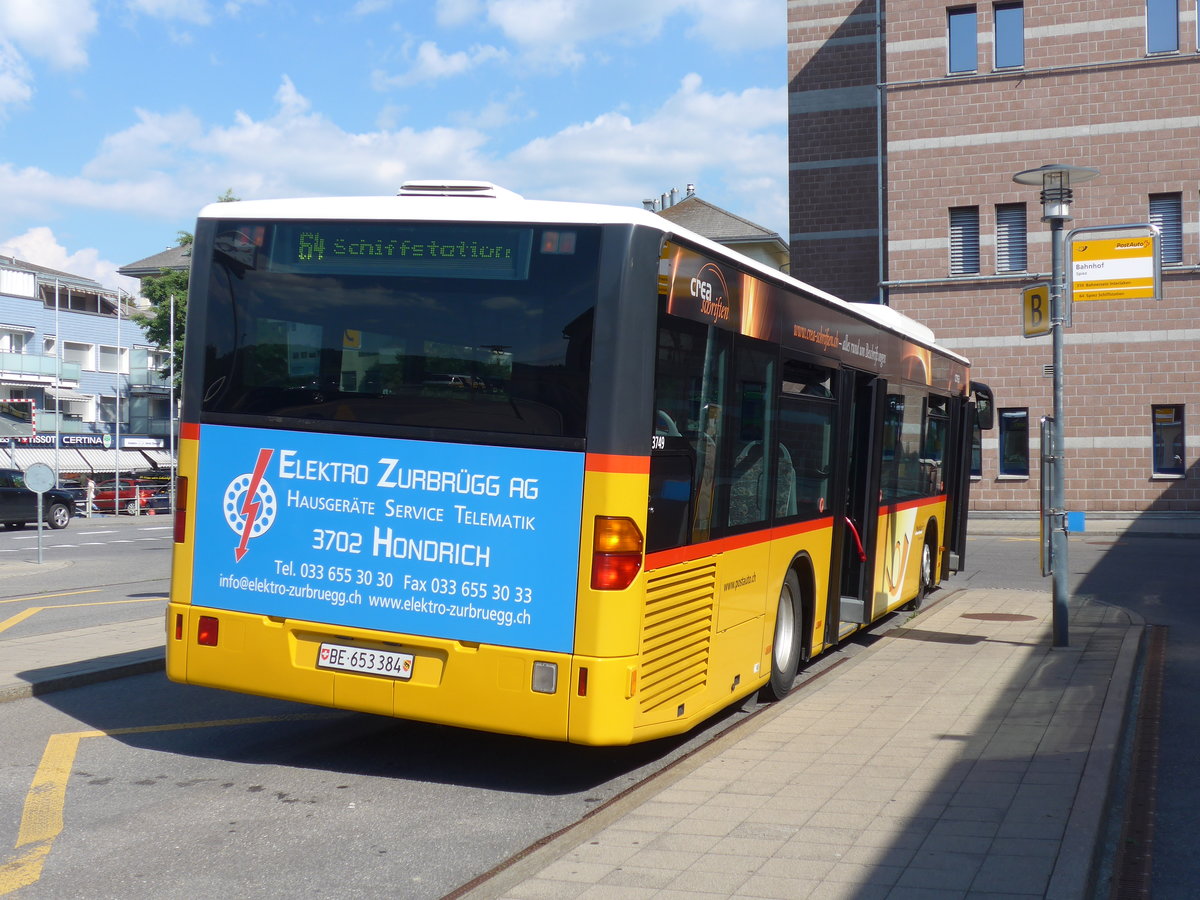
{"x": 1056, "y": 180}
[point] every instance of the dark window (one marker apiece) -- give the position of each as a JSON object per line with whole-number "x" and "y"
{"x": 804, "y": 454}
{"x": 1170, "y": 454}
{"x": 1162, "y": 26}
{"x": 1166, "y": 211}
{"x": 962, "y": 32}
{"x": 752, "y": 429}
{"x": 1009, "y": 35}
{"x": 964, "y": 240}
{"x": 1014, "y": 442}
{"x": 491, "y": 334}
{"x": 691, "y": 368}
{"x": 1012, "y": 249}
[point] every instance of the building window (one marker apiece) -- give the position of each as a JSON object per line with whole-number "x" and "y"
{"x": 1009, "y": 35}
{"x": 114, "y": 359}
{"x": 1162, "y": 26}
{"x": 962, "y": 31}
{"x": 1014, "y": 442}
{"x": 964, "y": 240}
{"x": 82, "y": 355}
{"x": 1166, "y": 211}
{"x": 12, "y": 342}
{"x": 1012, "y": 254}
{"x": 1170, "y": 455}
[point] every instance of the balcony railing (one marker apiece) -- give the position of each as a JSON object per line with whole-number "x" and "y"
{"x": 27, "y": 364}
{"x": 148, "y": 378}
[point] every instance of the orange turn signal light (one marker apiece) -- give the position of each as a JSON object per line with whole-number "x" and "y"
{"x": 616, "y": 553}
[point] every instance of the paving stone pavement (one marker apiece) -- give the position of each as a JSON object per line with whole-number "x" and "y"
{"x": 961, "y": 756}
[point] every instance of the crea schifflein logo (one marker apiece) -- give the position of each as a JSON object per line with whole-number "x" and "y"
{"x": 710, "y": 288}
{"x": 249, "y": 504}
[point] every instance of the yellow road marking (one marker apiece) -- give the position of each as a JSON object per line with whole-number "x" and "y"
{"x": 45, "y": 596}
{"x": 42, "y": 816}
{"x": 33, "y": 610}
{"x": 25, "y": 614}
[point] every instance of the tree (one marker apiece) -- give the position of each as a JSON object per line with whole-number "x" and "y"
{"x": 159, "y": 289}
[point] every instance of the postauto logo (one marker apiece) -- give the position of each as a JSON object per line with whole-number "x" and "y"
{"x": 249, "y": 504}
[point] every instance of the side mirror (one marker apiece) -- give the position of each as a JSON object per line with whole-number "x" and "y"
{"x": 985, "y": 405}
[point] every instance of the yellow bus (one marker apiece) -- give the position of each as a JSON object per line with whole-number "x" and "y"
{"x": 560, "y": 470}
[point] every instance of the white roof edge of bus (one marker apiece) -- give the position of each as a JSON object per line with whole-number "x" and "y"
{"x": 511, "y": 207}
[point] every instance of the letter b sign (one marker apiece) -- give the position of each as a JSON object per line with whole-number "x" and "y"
{"x": 1035, "y": 303}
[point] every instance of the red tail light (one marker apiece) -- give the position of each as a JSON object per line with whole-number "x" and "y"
{"x": 616, "y": 553}
{"x": 181, "y": 506}
{"x": 208, "y": 631}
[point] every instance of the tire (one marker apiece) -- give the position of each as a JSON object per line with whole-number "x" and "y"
{"x": 926, "y": 580}
{"x": 131, "y": 507}
{"x": 58, "y": 515}
{"x": 785, "y": 648}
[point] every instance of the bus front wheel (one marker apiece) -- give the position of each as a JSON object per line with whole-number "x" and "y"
{"x": 785, "y": 649}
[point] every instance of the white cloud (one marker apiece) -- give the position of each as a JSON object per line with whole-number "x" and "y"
{"x": 742, "y": 157}
{"x": 39, "y": 246}
{"x": 165, "y": 166}
{"x": 431, "y": 64}
{"x": 554, "y": 28}
{"x": 457, "y": 12}
{"x": 367, "y": 7}
{"x": 739, "y": 25}
{"x": 56, "y": 32}
{"x": 15, "y": 77}
{"x": 194, "y": 11}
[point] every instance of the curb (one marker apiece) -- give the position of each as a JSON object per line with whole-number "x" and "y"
{"x": 73, "y": 675}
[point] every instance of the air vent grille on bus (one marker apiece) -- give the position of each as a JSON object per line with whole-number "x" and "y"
{"x": 484, "y": 189}
{"x": 676, "y": 635}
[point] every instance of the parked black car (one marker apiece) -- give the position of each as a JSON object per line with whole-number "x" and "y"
{"x": 18, "y": 504}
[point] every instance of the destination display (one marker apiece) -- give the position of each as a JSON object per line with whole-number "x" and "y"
{"x": 442, "y": 540}
{"x": 493, "y": 252}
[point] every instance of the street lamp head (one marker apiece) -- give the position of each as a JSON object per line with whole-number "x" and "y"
{"x": 1055, "y": 180}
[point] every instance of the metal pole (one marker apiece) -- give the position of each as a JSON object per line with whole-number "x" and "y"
{"x": 171, "y": 406}
{"x": 1058, "y": 535}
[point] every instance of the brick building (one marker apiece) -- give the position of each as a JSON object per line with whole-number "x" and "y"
{"x": 908, "y": 120}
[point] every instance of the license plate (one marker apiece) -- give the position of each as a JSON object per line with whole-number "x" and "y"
{"x": 388, "y": 663}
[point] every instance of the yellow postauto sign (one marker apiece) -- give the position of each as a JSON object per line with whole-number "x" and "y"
{"x": 1113, "y": 268}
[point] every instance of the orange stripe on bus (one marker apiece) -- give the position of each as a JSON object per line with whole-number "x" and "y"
{"x": 189, "y": 430}
{"x": 733, "y": 542}
{"x": 912, "y": 504}
{"x": 627, "y": 465}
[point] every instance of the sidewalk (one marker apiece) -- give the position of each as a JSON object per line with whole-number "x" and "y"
{"x": 961, "y": 756}
{"x": 35, "y": 665}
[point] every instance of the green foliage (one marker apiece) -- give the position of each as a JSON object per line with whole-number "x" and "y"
{"x": 157, "y": 320}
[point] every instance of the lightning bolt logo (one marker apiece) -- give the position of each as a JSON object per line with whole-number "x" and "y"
{"x": 250, "y": 504}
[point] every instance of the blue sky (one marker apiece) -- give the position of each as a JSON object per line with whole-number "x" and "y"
{"x": 119, "y": 119}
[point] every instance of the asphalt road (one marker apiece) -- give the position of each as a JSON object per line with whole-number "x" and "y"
{"x": 176, "y": 791}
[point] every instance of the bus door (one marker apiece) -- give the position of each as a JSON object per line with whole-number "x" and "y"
{"x": 968, "y": 418}
{"x": 861, "y": 401}
{"x": 958, "y": 483}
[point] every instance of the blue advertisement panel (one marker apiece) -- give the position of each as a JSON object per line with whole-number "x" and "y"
{"x": 445, "y": 540}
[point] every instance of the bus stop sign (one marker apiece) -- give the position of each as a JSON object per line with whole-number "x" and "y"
{"x": 1035, "y": 308}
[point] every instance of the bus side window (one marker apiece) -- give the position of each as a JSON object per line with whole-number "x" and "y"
{"x": 670, "y": 500}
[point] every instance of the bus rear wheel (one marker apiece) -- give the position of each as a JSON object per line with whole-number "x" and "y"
{"x": 927, "y": 580}
{"x": 785, "y": 649}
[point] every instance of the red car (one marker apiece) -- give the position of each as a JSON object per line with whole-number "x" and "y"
{"x": 127, "y": 496}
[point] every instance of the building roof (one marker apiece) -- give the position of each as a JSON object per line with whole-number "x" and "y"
{"x": 47, "y": 275}
{"x": 718, "y": 224}
{"x": 179, "y": 257}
